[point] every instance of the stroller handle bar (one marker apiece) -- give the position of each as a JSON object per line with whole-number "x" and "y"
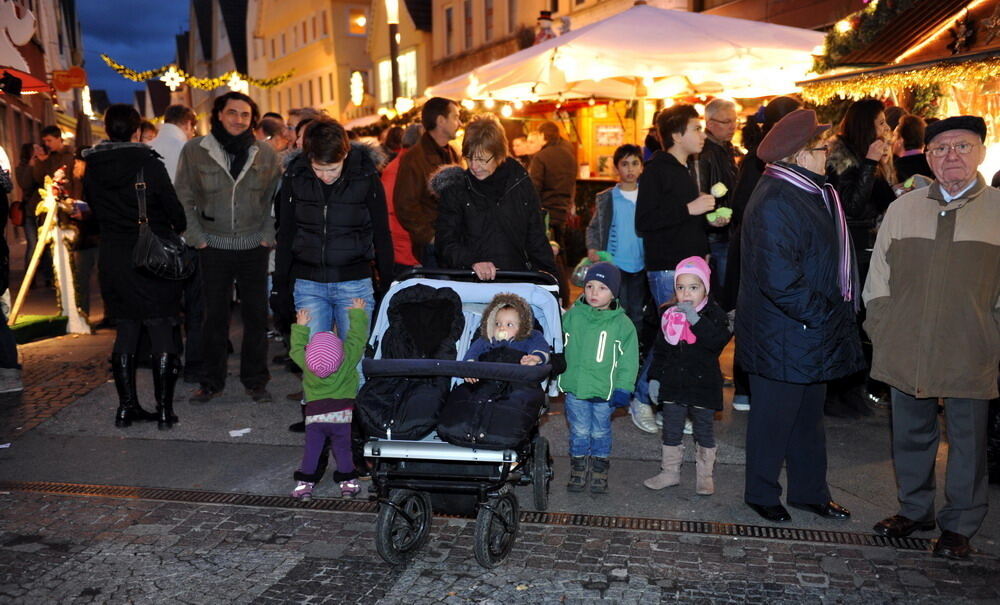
{"x": 535, "y": 277}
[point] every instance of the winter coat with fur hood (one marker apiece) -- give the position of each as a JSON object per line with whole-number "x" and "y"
{"x": 864, "y": 193}
{"x": 497, "y": 220}
{"x": 331, "y": 234}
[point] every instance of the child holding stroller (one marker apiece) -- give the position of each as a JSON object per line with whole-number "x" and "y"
{"x": 329, "y": 383}
{"x": 602, "y": 360}
{"x": 685, "y": 375}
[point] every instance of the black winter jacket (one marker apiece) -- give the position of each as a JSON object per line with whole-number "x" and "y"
{"x": 792, "y": 323}
{"x": 670, "y": 234}
{"x": 689, "y": 374}
{"x": 475, "y": 226}
{"x": 333, "y": 238}
{"x": 864, "y": 194}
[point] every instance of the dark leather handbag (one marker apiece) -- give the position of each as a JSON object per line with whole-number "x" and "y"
{"x": 166, "y": 257}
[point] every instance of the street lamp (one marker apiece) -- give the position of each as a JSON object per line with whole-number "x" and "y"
{"x": 392, "y": 16}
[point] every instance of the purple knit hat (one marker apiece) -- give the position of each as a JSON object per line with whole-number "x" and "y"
{"x": 324, "y": 353}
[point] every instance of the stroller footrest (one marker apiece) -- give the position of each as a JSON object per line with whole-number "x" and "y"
{"x": 435, "y": 450}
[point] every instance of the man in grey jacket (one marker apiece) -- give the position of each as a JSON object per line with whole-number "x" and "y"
{"x": 226, "y": 181}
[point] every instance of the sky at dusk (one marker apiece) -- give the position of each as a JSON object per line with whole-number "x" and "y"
{"x": 136, "y": 33}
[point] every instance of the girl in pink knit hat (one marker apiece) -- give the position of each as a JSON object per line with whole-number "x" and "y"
{"x": 685, "y": 375}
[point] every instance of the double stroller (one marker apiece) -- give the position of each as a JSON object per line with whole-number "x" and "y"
{"x": 454, "y": 451}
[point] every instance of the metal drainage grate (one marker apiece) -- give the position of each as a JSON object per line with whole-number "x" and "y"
{"x": 707, "y": 528}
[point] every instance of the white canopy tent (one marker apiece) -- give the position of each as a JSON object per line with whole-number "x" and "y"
{"x": 647, "y": 52}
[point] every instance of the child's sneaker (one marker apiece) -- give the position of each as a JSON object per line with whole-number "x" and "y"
{"x": 303, "y": 491}
{"x": 349, "y": 489}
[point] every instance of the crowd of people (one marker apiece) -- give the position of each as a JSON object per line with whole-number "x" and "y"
{"x": 858, "y": 265}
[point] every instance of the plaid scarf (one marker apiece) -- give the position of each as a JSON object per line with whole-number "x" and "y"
{"x": 847, "y": 276}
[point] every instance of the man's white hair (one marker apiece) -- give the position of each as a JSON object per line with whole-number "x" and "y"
{"x": 717, "y": 106}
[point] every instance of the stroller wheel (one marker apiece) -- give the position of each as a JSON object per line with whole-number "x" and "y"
{"x": 496, "y": 528}
{"x": 541, "y": 472}
{"x": 403, "y": 525}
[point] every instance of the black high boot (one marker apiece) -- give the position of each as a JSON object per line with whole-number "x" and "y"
{"x": 123, "y": 369}
{"x": 165, "y": 371}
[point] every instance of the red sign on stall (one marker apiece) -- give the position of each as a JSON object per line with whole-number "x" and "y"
{"x": 65, "y": 80}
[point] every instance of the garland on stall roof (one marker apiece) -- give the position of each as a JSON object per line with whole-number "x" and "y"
{"x": 858, "y": 30}
{"x": 194, "y": 81}
{"x": 880, "y": 85}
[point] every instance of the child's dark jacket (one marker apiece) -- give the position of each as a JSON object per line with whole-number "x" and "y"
{"x": 689, "y": 374}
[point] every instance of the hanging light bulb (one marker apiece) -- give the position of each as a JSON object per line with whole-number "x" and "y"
{"x": 468, "y": 104}
{"x": 489, "y": 103}
{"x": 506, "y": 111}
{"x": 518, "y": 104}
{"x": 591, "y": 101}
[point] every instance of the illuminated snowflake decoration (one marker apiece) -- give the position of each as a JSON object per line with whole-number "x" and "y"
{"x": 172, "y": 78}
{"x": 238, "y": 84}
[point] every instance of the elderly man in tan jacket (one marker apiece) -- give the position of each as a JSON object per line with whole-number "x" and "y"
{"x": 933, "y": 298}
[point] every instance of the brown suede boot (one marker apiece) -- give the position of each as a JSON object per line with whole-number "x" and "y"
{"x": 670, "y": 468}
{"x": 705, "y": 460}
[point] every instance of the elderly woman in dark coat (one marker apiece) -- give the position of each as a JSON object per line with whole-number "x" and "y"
{"x": 137, "y": 300}
{"x": 795, "y": 318}
{"x": 489, "y": 216}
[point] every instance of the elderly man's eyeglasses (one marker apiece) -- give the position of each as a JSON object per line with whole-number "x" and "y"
{"x": 940, "y": 151}
{"x": 480, "y": 160}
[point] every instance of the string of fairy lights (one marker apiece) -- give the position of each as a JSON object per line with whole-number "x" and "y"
{"x": 174, "y": 77}
{"x": 865, "y": 85}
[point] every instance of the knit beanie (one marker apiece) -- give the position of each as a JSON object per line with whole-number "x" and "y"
{"x": 695, "y": 265}
{"x": 324, "y": 353}
{"x": 607, "y": 274}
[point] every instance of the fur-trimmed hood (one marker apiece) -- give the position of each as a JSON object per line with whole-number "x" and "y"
{"x": 449, "y": 176}
{"x": 840, "y": 158}
{"x": 502, "y": 301}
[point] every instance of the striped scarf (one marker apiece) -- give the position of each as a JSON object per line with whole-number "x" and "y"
{"x": 846, "y": 268}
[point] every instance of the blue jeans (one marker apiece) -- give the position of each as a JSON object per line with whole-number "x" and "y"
{"x": 589, "y": 427}
{"x": 327, "y": 302}
{"x": 661, "y": 284}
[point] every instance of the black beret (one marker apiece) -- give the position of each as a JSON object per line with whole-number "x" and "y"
{"x": 973, "y": 123}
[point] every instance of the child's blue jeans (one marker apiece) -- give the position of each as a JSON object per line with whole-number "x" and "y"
{"x": 589, "y": 427}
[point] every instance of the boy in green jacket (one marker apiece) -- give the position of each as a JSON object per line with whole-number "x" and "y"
{"x": 602, "y": 360}
{"x": 329, "y": 383}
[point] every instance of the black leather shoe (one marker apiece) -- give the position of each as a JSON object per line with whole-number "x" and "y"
{"x": 898, "y": 526}
{"x": 830, "y": 510}
{"x": 776, "y": 513}
{"x": 204, "y": 394}
{"x": 952, "y": 546}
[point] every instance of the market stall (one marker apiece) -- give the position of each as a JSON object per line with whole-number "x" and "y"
{"x": 935, "y": 59}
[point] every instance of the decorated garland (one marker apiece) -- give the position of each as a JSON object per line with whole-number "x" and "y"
{"x": 879, "y": 85}
{"x": 858, "y": 30}
{"x": 174, "y": 76}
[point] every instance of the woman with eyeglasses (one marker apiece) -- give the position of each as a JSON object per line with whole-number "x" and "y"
{"x": 489, "y": 215}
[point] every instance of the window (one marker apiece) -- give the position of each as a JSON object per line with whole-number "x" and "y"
{"x": 305, "y": 33}
{"x": 511, "y": 16}
{"x": 319, "y": 87}
{"x": 467, "y": 13}
{"x": 284, "y": 50}
{"x": 295, "y": 38}
{"x": 315, "y": 29}
{"x": 330, "y": 86}
{"x": 357, "y": 22}
{"x": 274, "y": 52}
{"x": 385, "y": 82}
{"x": 290, "y": 97}
{"x": 488, "y": 10}
{"x": 449, "y": 30}
{"x": 302, "y": 96}
{"x": 312, "y": 103}
{"x": 408, "y": 74}
{"x": 323, "y": 19}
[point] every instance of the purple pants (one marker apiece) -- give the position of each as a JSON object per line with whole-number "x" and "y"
{"x": 339, "y": 435}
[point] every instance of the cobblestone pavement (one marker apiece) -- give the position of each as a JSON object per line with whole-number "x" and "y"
{"x": 100, "y": 550}
{"x": 57, "y": 372}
